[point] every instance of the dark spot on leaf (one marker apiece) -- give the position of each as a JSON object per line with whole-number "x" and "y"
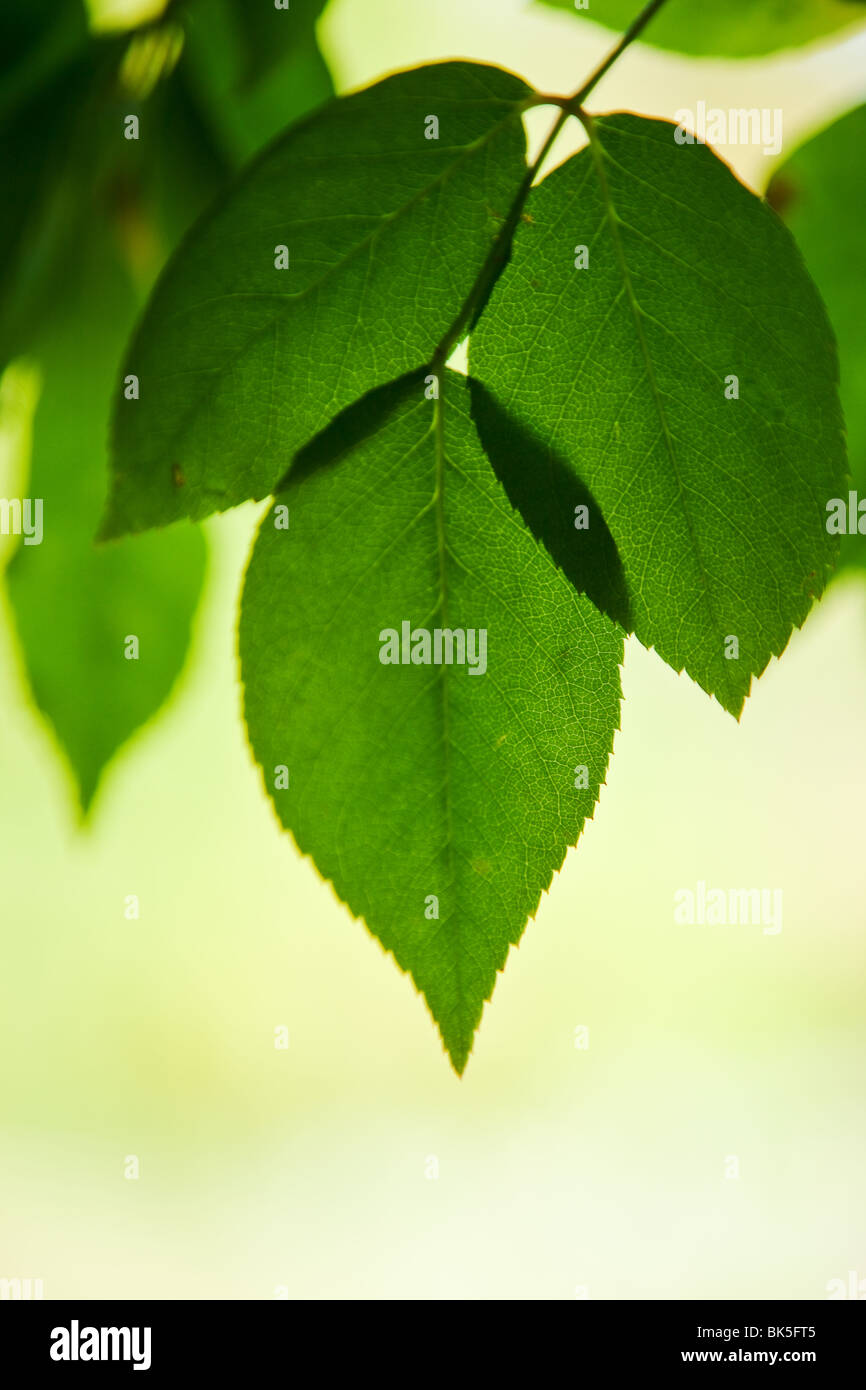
{"x": 782, "y": 194}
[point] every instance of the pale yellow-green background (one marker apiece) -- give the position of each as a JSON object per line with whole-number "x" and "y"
{"x": 558, "y": 1168}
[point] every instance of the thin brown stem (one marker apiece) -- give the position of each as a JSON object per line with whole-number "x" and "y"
{"x": 498, "y": 253}
{"x": 634, "y": 31}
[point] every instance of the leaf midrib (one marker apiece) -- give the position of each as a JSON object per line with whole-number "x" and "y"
{"x": 442, "y": 558}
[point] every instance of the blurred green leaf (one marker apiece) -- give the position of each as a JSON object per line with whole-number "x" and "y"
{"x": 242, "y": 361}
{"x": 254, "y": 69}
{"x": 821, "y": 193}
{"x": 411, "y": 780}
{"x": 84, "y": 215}
{"x": 269, "y": 35}
{"x": 621, "y": 361}
{"x": 52, "y": 136}
{"x": 36, "y": 38}
{"x": 735, "y": 29}
{"x": 85, "y": 218}
{"x": 75, "y": 603}
{"x": 62, "y": 103}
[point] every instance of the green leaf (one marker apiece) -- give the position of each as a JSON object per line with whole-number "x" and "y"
{"x": 821, "y": 194}
{"x": 240, "y": 362}
{"x": 412, "y": 782}
{"x": 621, "y": 372}
{"x": 75, "y": 604}
{"x": 735, "y": 29}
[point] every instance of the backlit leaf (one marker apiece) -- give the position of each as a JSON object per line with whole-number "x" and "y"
{"x": 335, "y": 264}
{"x": 419, "y": 786}
{"x": 686, "y": 376}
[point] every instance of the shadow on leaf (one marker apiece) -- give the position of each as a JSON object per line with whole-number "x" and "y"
{"x": 557, "y": 507}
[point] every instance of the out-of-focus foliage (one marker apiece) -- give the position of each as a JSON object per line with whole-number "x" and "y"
{"x": 726, "y": 28}
{"x": 87, "y": 218}
{"x": 77, "y": 603}
{"x": 821, "y": 193}
{"x": 254, "y": 69}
